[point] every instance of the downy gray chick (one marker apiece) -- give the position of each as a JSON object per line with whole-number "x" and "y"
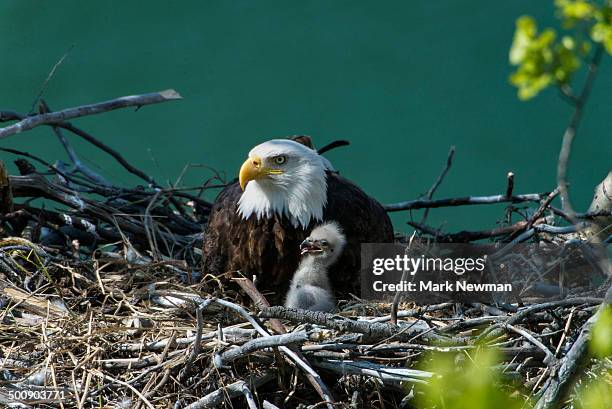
{"x": 310, "y": 288}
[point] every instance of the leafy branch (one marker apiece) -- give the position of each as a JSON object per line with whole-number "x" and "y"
{"x": 546, "y": 59}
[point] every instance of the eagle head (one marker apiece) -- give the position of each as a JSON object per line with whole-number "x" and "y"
{"x": 285, "y": 178}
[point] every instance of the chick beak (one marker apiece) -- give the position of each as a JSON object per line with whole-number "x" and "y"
{"x": 250, "y": 170}
{"x": 310, "y": 246}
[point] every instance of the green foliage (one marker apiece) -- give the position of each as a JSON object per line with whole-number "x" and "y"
{"x": 595, "y": 395}
{"x": 473, "y": 383}
{"x": 601, "y": 339}
{"x": 547, "y": 58}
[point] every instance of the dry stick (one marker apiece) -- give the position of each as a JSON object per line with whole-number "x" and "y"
{"x": 549, "y": 359}
{"x": 120, "y": 382}
{"x": 570, "y": 131}
{"x": 150, "y": 228}
{"x": 462, "y": 201}
{"x": 256, "y": 344}
{"x": 216, "y": 398}
{"x": 510, "y": 187}
{"x": 261, "y": 303}
{"x": 370, "y": 330}
{"x": 557, "y": 385}
{"x": 398, "y": 295}
{"x": 509, "y": 191}
{"x": 74, "y": 158}
{"x": 127, "y": 166}
{"x": 387, "y": 375}
{"x": 449, "y": 161}
{"x": 496, "y": 330}
{"x": 538, "y": 213}
{"x": 86, "y": 110}
{"x": 188, "y": 367}
{"x": 248, "y": 396}
{"x": 441, "y": 176}
{"x": 57, "y": 119}
{"x": 37, "y": 186}
{"x": 116, "y": 155}
{"x": 466, "y": 236}
{"x": 299, "y": 361}
{"x": 49, "y": 77}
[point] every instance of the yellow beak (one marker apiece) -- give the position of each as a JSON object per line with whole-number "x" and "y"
{"x": 251, "y": 169}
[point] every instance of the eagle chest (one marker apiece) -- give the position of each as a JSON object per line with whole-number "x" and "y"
{"x": 269, "y": 249}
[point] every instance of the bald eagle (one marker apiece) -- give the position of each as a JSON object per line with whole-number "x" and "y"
{"x": 285, "y": 188}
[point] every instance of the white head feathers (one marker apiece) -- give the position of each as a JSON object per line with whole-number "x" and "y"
{"x": 286, "y": 178}
{"x": 332, "y": 233}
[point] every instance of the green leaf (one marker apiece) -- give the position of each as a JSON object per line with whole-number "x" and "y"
{"x": 601, "y": 337}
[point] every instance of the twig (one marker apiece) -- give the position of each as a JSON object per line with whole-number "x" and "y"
{"x": 49, "y": 77}
{"x": 386, "y": 374}
{"x": 259, "y": 300}
{"x": 370, "y": 330}
{"x": 398, "y": 295}
{"x": 538, "y": 213}
{"x": 74, "y": 158}
{"x": 441, "y": 176}
{"x": 462, "y": 201}
{"x": 572, "y": 128}
{"x": 33, "y": 121}
{"x": 550, "y": 358}
{"x": 291, "y": 354}
{"x": 557, "y": 385}
{"x": 127, "y": 385}
{"x": 214, "y": 399}
{"x": 116, "y": 155}
{"x": 260, "y": 343}
{"x": 494, "y": 330}
{"x": 261, "y": 303}
{"x": 467, "y": 236}
{"x": 188, "y": 367}
{"x": 510, "y": 187}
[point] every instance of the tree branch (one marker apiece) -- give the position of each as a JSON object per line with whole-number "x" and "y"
{"x": 570, "y": 131}
{"x": 463, "y": 201}
{"x": 33, "y": 121}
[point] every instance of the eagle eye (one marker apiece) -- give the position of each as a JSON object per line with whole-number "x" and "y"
{"x": 280, "y": 159}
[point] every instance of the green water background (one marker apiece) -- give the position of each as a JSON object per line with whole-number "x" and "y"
{"x": 402, "y": 80}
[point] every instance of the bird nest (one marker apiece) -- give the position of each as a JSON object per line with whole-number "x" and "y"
{"x": 111, "y": 333}
{"x": 103, "y": 305}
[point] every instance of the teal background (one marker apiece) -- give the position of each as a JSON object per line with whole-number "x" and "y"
{"x": 402, "y": 80}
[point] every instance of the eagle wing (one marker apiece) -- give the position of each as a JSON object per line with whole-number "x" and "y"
{"x": 363, "y": 220}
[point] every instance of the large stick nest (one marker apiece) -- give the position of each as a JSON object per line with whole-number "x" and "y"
{"x": 103, "y": 302}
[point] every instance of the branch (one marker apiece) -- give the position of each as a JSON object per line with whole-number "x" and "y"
{"x": 570, "y": 131}
{"x": 370, "y": 330}
{"x": 260, "y": 343}
{"x": 557, "y": 386}
{"x": 74, "y": 158}
{"x": 467, "y": 236}
{"x": 33, "y": 121}
{"x": 462, "y": 201}
{"x": 434, "y": 187}
{"x": 216, "y": 398}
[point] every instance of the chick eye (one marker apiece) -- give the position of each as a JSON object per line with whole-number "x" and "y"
{"x": 324, "y": 243}
{"x": 280, "y": 160}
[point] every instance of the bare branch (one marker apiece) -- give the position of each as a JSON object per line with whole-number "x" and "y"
{"x": 463, "y": 201}
{"x": 33, "y": 121}
{"x": 572, "y": 128}
{"x": 441, "y": 176}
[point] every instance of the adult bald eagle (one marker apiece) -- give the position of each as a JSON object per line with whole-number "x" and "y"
{"x": 285, "y": 188}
